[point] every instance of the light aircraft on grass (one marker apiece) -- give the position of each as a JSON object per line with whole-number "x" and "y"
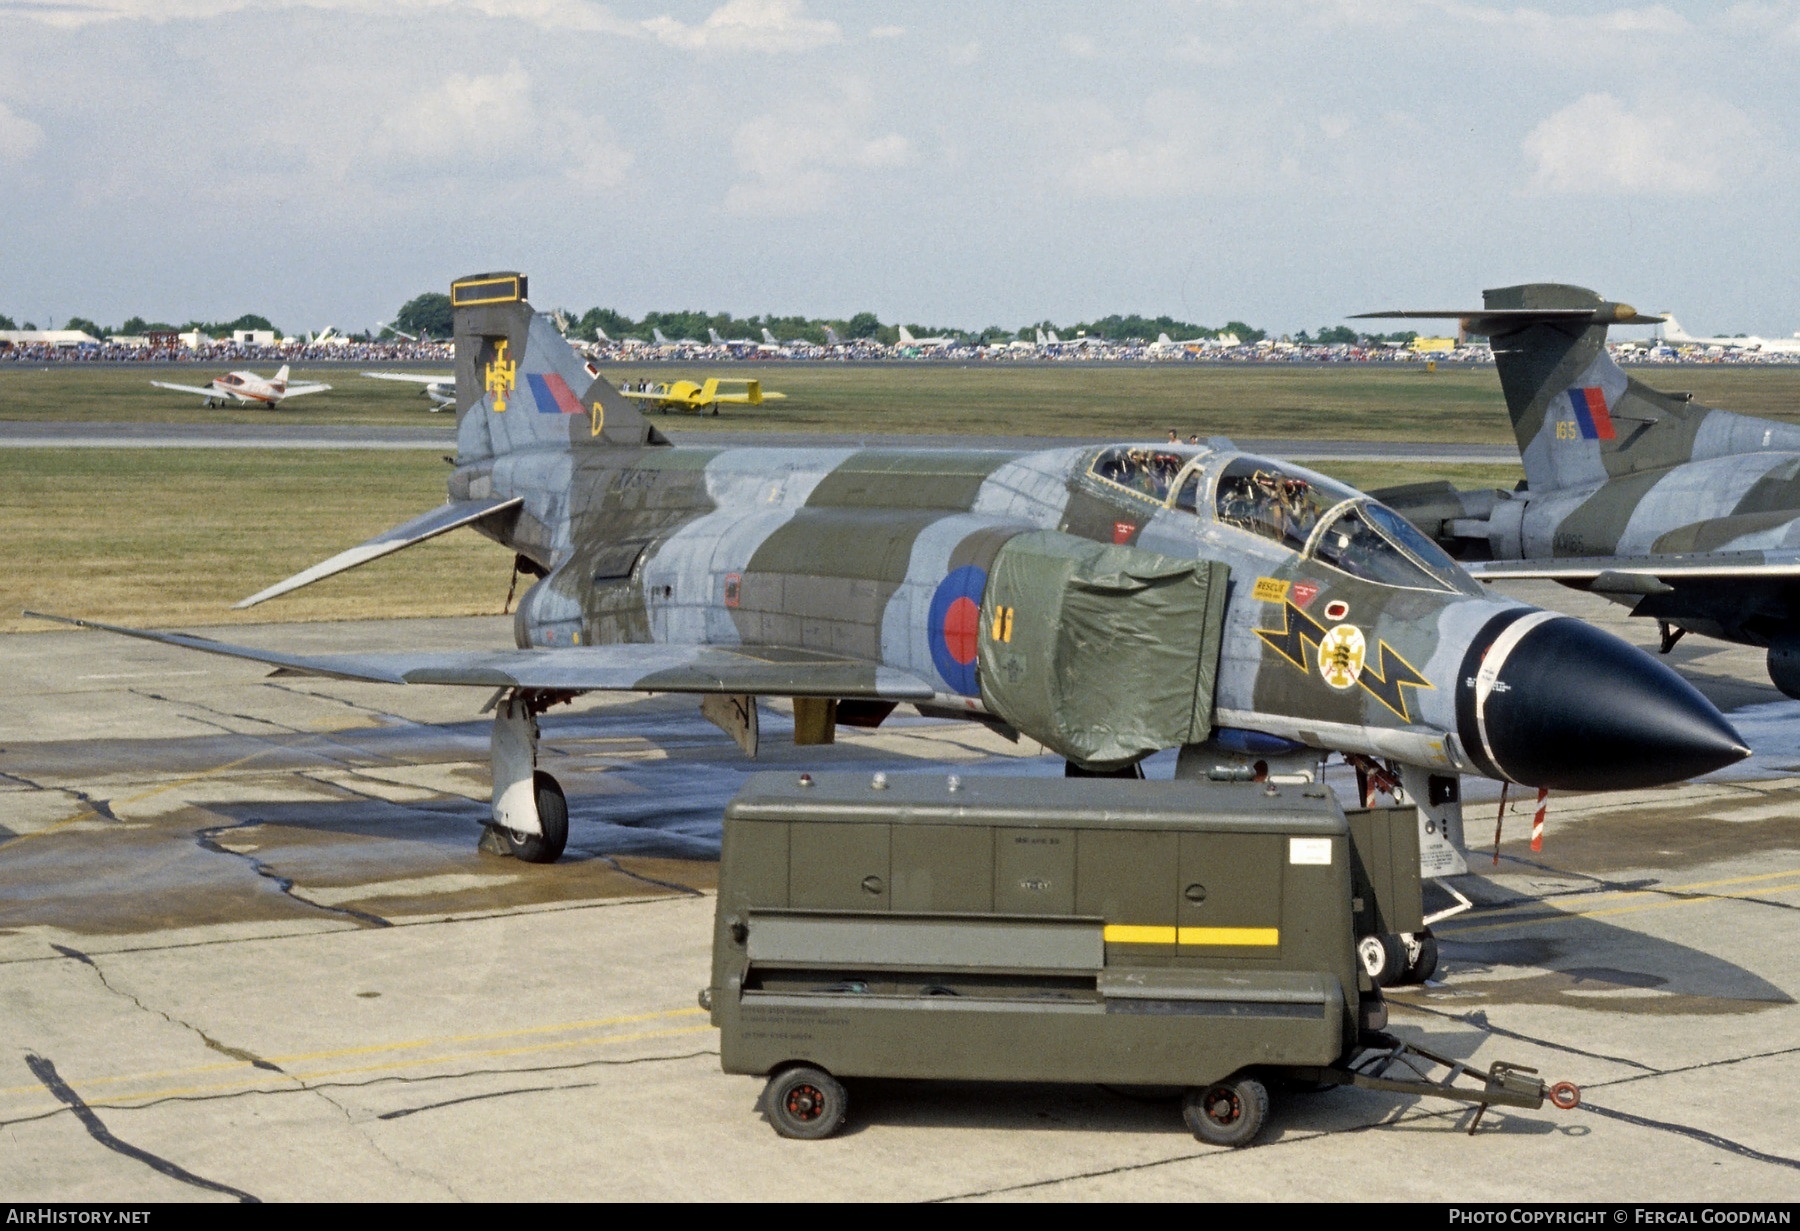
{"x": 247, "y": 387}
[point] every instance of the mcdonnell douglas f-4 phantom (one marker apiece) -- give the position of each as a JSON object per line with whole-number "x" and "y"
{"x": 1686, "y": 514}
{"x": 1107, "y": 601}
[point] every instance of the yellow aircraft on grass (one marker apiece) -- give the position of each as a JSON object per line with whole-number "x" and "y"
{"x": 687, "y": 395}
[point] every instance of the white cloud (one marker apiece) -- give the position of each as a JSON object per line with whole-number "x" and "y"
{"x": 454, "y": 125}
{"x": 19, "y": 137}
{"x": 793, "y": 166}
{"x": 1597, "y": 145}
{"x": 458, "y": 119}
{"x": 562, "y": 15}
{"x": 887, "y": 32}
{"x": 748, "y": 25}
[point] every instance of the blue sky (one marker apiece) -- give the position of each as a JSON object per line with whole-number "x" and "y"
{"x": 1282, "y": 163}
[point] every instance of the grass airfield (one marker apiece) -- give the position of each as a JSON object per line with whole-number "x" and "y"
{"x": 172, "y": 537}
{"x": 1335, "y": 402}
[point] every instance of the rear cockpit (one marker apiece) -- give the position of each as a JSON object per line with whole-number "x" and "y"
{"x": 1303, "y": 512}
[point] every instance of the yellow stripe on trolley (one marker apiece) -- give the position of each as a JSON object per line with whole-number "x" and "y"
{"x": 1260, "y": 937}
{"x": 1137, "y": 934}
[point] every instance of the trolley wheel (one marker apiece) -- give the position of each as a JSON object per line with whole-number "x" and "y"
{"x": 553, "y": 815}
{"x": 1383, "y": 958}
{"x": 1565, "y": 1095}
{"x": 1421, "y": 965}
{"x": 1230, "y": 1113}
{"x": 805, "y": 1102}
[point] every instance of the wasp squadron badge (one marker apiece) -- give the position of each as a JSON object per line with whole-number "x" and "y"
{"x": 1341, "y": 654}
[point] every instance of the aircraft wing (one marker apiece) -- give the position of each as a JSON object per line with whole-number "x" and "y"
{"x": 1684, "y": 566}
{"x": 441, "y": 520}
{"x": 205, "y": 393}
{"x": 295, "y": 391}
{"x": 597, "y": 668}
{"x": 407, "y": 376}
{"x": 744, "y": 399}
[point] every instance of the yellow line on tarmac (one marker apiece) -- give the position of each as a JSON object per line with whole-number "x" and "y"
{"x": 1561, "y": 916}
{"x": 376, "y": 1048}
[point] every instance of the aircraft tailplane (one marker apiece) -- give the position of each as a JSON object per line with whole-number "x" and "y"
{"x": 1579, "y": 419}
{"x": 521, "y": 386}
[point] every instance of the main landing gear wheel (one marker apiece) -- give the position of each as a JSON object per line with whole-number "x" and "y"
{"x": 1421, "y": 957}
{"x": 1230, "y": 1113}
{"x": 1383, "y": 958}
{"x": 805, "y": 1103}
{"x": 553, "y": 815}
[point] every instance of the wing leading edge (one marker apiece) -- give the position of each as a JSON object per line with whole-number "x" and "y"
{"x": 1687, "y": 566}
{"x": 599, "y": 668}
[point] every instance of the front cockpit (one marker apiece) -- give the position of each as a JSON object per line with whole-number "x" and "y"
{"x": 1306, "y": 513}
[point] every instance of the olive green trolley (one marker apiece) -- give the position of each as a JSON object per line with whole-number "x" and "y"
{"x": 1200, "y": 935}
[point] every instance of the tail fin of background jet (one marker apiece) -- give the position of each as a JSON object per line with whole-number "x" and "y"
{"x": 769, "y": 338}
{"x": 712, "y": 335}
{"x": 521, "y": 386}
{"x": 831, "y": 337}
{"x": 906, "y": 338}
{"x": 1578, "y": 418}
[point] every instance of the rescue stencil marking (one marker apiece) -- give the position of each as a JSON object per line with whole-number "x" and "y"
{"x": 955, "y": 627}
{"x": 1395, "y": 673}
{"x": 1270, "y": 590}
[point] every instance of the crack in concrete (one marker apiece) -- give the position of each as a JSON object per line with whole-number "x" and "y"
{"x": 207, "y": 839}
{"x": 224, "y": 1049}
{"x": 403, "y": 1112}
{"x": 101, "y": 807}
{"x": 1695, "y": 1134}
{"x": 239, "y": 1054}
{"x": 45, "y": 1071}
{"x": 1478, "y": 1018}
{"x": 686, "y": 890}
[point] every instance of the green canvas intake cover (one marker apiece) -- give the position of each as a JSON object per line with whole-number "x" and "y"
{"x": 1101, "y": 653}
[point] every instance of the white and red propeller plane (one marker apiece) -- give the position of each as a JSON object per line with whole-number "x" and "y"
{"x": 247, "y": 387}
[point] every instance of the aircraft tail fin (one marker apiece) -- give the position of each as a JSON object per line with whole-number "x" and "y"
{"x": 712, "y": 335}
{"x": 520, "y": 385}
{"x": 906, "y": 338}
{"x": 1578, "y": 417}
{"x": 769, "y": 338}
{"x": 831, "y": 337}
{"x": 281, "y": 377}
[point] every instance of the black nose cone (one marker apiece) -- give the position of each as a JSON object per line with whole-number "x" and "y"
{"x": 1549, "y": 701}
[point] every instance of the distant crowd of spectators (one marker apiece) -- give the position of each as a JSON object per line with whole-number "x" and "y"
{"x": 392, "y": 351}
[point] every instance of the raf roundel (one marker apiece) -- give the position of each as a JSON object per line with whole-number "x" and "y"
{"x": 955, "y": 627}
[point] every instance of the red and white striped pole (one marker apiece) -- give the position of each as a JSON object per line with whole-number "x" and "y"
{"x": 1537, "y": 822}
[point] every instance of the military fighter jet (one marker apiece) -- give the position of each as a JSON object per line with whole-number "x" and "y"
{"x": 1107, "y": 601}
{"x": 687, "y": 395}
{"x": 242, "y": 387}
{"x": 1686, "y": 514}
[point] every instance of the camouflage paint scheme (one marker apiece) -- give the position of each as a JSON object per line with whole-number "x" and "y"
{"x": 1156, "y": 613}
{"x": 1688, "y": 514}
